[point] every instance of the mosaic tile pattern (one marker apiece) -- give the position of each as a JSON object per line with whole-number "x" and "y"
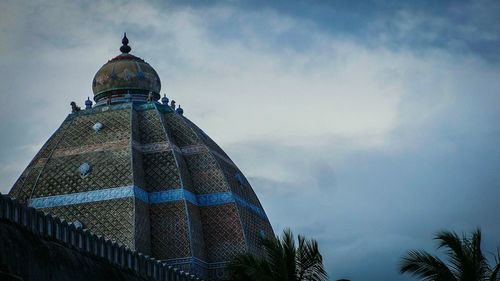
{"x": 206, "y": 139}
{"x": 160, "y": 171}
{"x": 142, "y": 230}
{"x": 134, "y": 124}
{"x": 150, "y": 127}
{"x": 116, "y": 127}
{"x": 254, "y": 226}
{"x": 222, "y": 232}
{"x": 243, "y": 190}
{"x": 205, "y": 174}
{"x": 196, "y": 231}
{"x": 169, "y": 230}
{"x": 181, "y": 132}
{"x": 138, "y": 169}
{"x": 113, "y": 219}
{"x": 108, "y": 169}
{"x": 23, "y": 187}
{"x": 181, "y": 199}
{"x": 187, "y": 182}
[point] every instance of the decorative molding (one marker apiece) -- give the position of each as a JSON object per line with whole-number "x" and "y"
{"x": 194, "y": 149}
{"x": 114, "y": 145}
{"x": 201, "y": 148}
{"x": 151, "y": 147}
{"x": 166, "y": 196}
{"x": 82, "y": 197}
{"x": 211, "y": 199}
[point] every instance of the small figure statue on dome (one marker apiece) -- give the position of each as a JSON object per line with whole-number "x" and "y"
{"x": 150, "y": 97}
{"x": 172, "y": 104}
{"x": 180, "y": 110}
{"x": 164, "y": 100}
{"x": 74, "y": 107}
{"x": 88, "y": 103}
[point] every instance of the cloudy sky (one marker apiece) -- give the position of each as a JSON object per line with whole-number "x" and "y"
{"x": 368, "y": 126}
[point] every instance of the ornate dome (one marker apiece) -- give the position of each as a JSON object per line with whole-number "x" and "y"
{"x": 143, "y": 175}
{"x": 126, "y": 74}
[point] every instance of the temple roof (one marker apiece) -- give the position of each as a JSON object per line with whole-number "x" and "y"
{"x": 140, "y": 173}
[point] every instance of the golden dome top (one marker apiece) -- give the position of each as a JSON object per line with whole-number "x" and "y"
{"x": 126, "y": 74}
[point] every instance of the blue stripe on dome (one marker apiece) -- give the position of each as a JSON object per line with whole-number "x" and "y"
{"x": 166, "y": 196}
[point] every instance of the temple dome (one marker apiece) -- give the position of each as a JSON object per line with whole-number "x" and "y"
{"x": 140, "y": 173}
{"x": 126, "y": 74}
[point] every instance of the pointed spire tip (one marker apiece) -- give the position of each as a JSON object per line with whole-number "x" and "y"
{"x": 125, "y": 48}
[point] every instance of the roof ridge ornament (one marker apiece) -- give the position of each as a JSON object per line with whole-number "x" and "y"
{"x": 125, "y": 48}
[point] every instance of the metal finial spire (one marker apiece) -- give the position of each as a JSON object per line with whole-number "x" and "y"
{"x": 125, "y": 48}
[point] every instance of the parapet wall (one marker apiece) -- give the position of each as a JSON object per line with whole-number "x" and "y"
{"x": 48, "y": 248}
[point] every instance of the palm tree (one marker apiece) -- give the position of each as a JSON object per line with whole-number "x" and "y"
{"x": 466, "y": 261}
{"x": 283, "y": 261}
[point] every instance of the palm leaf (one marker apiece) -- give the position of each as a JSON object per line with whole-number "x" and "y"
{"x": 456, "y": 251}
{"x": 426, "y": 266}
{"x": 282, "y": 261}
{"x": 309, "y": 261}
{"x": 246, "y": 267}
{"x": 494, "y": 276}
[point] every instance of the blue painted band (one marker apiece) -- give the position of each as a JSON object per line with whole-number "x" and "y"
{"x": 210, "y": 199}
{"x": 172, "y": 195}
{"x": 82, "y": 197}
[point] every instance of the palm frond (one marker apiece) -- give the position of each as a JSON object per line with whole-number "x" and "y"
{"x": 274, "y": 252}
{"x": 246, "y": 267}
{"x": 494, "y": 275}
{"x": 479, "y": 262}
{"x": 425, "y": 266}
{"x": 456, "y": 251}
{"x": 282, "y": 261}
{"x": 289, "y": 253}
{"x": 309, "y": 261}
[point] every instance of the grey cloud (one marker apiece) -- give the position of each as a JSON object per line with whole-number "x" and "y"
{"x": 368, "y": 148}
{"x": 385, "y": 204}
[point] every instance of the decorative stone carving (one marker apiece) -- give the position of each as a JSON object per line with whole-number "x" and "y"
{"x": 97, "y": 127}
{"x": 84, "y": 170}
